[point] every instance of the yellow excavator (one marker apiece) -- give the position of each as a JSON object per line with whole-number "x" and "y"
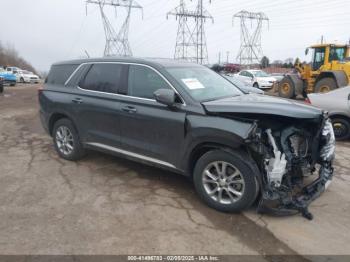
{"x": 328, "y": 70}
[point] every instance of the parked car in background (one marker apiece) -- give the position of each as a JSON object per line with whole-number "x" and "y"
{"x": 24, "y": 76}
{"x": 277, "y": 76}
{"x": 1, "y": 84}
{"x": 337, "y": 103}
{"x": 9, "y": 78}
{"x": 243, "y": 86}
{"x": 185, "y": 117}
{"x": 256, "y": 78}
{"x": 12, "y": 69}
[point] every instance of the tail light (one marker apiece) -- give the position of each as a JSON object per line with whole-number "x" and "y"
{"x": 307, "y": 101}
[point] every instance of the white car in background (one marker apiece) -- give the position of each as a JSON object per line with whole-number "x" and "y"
{"x": 24, "y": 76}
{"x": 256, "y": 78}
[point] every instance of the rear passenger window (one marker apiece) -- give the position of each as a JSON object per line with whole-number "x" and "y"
{"x": 143, "y": 82}
{"x": 103, "y": 78}
{"x": 59, "y": 74}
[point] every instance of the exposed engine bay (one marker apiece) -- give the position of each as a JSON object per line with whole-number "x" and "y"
{"x": 295, "y": 160}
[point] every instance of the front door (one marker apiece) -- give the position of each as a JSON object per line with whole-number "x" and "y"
{"x": 148, "y": 128}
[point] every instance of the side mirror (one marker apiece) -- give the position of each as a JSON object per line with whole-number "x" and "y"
{"x": 165, "y": 96}
{"x": 306, "y": 51}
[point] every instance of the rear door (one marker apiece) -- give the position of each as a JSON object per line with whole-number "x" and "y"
{"x": 149, "y": 128}
{"x": 97, "y": 105}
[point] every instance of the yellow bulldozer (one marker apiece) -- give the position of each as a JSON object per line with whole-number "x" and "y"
{"x": 328, "y": 70}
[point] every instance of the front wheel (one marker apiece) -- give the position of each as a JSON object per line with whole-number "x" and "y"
{"x": 224, "y": 181}
{"x": 256, "y": 85}
{"x": 286, "y": 88}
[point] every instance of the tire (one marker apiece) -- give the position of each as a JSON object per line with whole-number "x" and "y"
{"x": 69, "y": 148}
{"x": 237, "y": 170}
{"x": 12, "y": 84}
{"x": 1, "y": 88}
{"x": 286, "y": 88}
{"x": 256, "y": 85}
{"x": 341, "y": 128}
{"x": 21, "y": 80}
{"x": 325, "y": 85}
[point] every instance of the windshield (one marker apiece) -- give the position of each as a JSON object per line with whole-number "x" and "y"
{"x": 259, "y": 74}
{"x": 203, "y": 84}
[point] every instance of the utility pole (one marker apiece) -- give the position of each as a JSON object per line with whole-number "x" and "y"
{"x": 227, "y": 56}
{"x": 219, "y": 58}
{"x": 322, "y": 39}
{"x": 251, "y": 27}
{"x": 117, "y": 44}
{"x": 191, "y": 41}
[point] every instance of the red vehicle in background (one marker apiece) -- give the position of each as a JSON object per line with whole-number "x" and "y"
{"x": 232, "y": 68}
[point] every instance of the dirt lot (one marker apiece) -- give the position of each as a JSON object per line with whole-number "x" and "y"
{"x": 107, "y": 205}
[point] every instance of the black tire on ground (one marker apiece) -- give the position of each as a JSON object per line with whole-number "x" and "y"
{"x": 341, "y": 128}
{"x": 12, "y": 84}
{"x": 249, "y": 190}
{"x": 256, "y": 85}
{"x": 21, "y": 80}
{"x": 286, "y": 88}
{"x": 78, "y": 151}
{"x": 325, "y": 85}
{"x": 1, "y": 88}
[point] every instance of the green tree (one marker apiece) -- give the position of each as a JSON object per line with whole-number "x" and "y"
{"x": 265, "y": 62}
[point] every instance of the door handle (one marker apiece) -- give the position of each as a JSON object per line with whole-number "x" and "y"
{"x": 77, "y": 100}
{"x": 129, "y": 109}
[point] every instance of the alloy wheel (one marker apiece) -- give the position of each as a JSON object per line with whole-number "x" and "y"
{"x": 223, "y": 182}
{"x": 64, "y": 140}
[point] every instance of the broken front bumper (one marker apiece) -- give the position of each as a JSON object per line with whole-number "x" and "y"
{"x": 293, "y": 204}
{"x": 289, "y": 203}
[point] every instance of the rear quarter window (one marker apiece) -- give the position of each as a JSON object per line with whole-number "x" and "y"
{"x": 59, "y": 74}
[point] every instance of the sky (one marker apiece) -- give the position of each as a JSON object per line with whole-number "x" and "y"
{"x": 47, "y": 31}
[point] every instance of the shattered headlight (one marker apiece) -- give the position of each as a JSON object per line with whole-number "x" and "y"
{"x": 328, "y": 149}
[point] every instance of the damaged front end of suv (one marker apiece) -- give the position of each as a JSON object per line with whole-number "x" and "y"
{"x": 289, "y": 157}
{"x": 293, "y": 146}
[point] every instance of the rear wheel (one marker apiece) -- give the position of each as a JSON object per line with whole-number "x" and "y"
{"x": 66, "y": 140}
{"x": 341, "y": 128}
{"x": 325, "y": 85}
{"x": 286, "y": 88}
{"x": 224, "y": 181}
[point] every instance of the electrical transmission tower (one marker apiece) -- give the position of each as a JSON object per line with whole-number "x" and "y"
{"x": 191, "y": 42}
{"x": 117, "y": 44}
{"x": 250, "y": 51}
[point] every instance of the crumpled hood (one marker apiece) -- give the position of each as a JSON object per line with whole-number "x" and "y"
{"x": 262, "y": 104}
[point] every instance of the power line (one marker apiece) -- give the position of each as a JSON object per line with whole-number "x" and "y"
{"x": 191, "y": 40}
{"x": 116, "y": 43}
{"x": 250, "y": 49}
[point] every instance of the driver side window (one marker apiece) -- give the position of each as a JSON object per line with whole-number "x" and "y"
{"x": 143, "y": 82}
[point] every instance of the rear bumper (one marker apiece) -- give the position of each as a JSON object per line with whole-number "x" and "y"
{"x": 10, "y": 81}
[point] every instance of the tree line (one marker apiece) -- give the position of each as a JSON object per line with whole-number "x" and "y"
{"x": 288, "y": 63}
{"x": 10, "y": 57}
